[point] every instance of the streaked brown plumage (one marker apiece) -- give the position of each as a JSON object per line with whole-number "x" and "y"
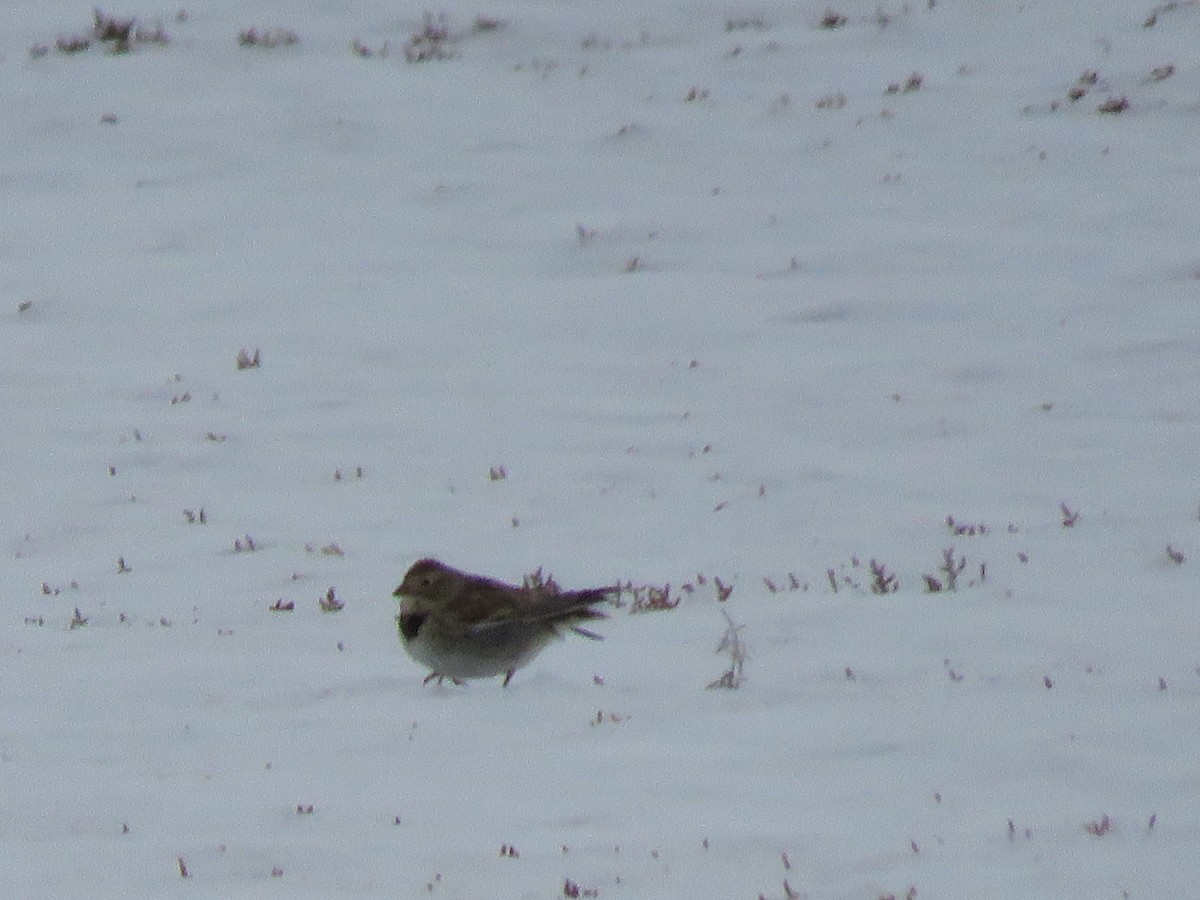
{"x": 466, "y": 626}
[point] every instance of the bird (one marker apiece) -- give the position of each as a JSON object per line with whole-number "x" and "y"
{"x": 465, "y": 626}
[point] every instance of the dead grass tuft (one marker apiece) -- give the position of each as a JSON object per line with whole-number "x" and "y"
{"x": 267, "y": 38}
{"x": 432, "y": 41}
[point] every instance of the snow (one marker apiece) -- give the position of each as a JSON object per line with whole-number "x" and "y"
{"x": 736, "y": 336}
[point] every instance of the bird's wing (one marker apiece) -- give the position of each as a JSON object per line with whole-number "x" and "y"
{"x": 475, "y": 607}
{"x": 565, "y": 607}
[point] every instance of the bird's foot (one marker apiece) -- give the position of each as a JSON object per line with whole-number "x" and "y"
{"x": 441, "y": 678}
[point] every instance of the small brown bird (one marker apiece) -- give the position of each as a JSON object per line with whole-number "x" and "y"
{"x": 465, "y": 626}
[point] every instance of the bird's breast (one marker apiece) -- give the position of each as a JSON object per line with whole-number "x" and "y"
{"x": 410, "y": 623}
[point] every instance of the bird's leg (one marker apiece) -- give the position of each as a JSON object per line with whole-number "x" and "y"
{"x": 507, "y": 677}
{"x": 442, "y": 678}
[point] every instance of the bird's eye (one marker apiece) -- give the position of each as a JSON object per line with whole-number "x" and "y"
{"x": 427, "y": 581}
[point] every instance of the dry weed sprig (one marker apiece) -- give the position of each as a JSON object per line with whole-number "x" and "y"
{"x": 832, "y": 19}
{"x": 572, "y": 891}
{"x": 966, "y": 529}
{"x": 883, "y": 581}
{"x": 731, "y": 643}
{"x": 950, "y": 568}
{"x": 650, "y": 598}
{"x": 247, "y": 360}
{"x": 541, "y": 583}
{"x": 330, "y": 602}
{"x": 1152, "y": 18}
{"x": 1099, "y": 827}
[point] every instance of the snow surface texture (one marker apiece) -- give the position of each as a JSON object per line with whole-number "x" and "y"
{"x": 643, "y": 292}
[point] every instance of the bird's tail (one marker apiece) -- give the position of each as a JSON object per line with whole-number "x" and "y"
{"x": 569, "y": 607}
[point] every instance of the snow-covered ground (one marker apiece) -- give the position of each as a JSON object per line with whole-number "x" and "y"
{"x": 658, "y": 293}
